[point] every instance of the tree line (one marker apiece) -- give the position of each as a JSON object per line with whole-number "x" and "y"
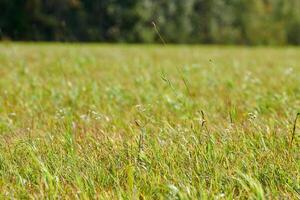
{"x": 250, "y": 22}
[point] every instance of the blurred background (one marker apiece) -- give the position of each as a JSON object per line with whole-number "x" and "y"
{"x": 247, "y": 22}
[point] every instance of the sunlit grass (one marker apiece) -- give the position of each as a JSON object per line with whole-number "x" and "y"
{"x": 149, "y": 122}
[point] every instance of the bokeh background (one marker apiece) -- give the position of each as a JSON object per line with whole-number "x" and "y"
{"x": 247, "y": 22}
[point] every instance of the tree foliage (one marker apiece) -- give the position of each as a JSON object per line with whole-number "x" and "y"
{"x": 252, "y": 22}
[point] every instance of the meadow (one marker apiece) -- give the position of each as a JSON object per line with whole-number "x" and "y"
{"x": 99, "y": 121}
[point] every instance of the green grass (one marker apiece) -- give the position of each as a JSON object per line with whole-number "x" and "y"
{"x": 149, "y": 122}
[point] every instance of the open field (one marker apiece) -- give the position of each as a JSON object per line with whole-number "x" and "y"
{"x": 149, "y": 122}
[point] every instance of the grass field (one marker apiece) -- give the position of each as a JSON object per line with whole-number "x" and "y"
{"x": 149, "y": 122}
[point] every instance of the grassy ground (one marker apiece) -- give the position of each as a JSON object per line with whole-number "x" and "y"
{"x": 149, "y": 122}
